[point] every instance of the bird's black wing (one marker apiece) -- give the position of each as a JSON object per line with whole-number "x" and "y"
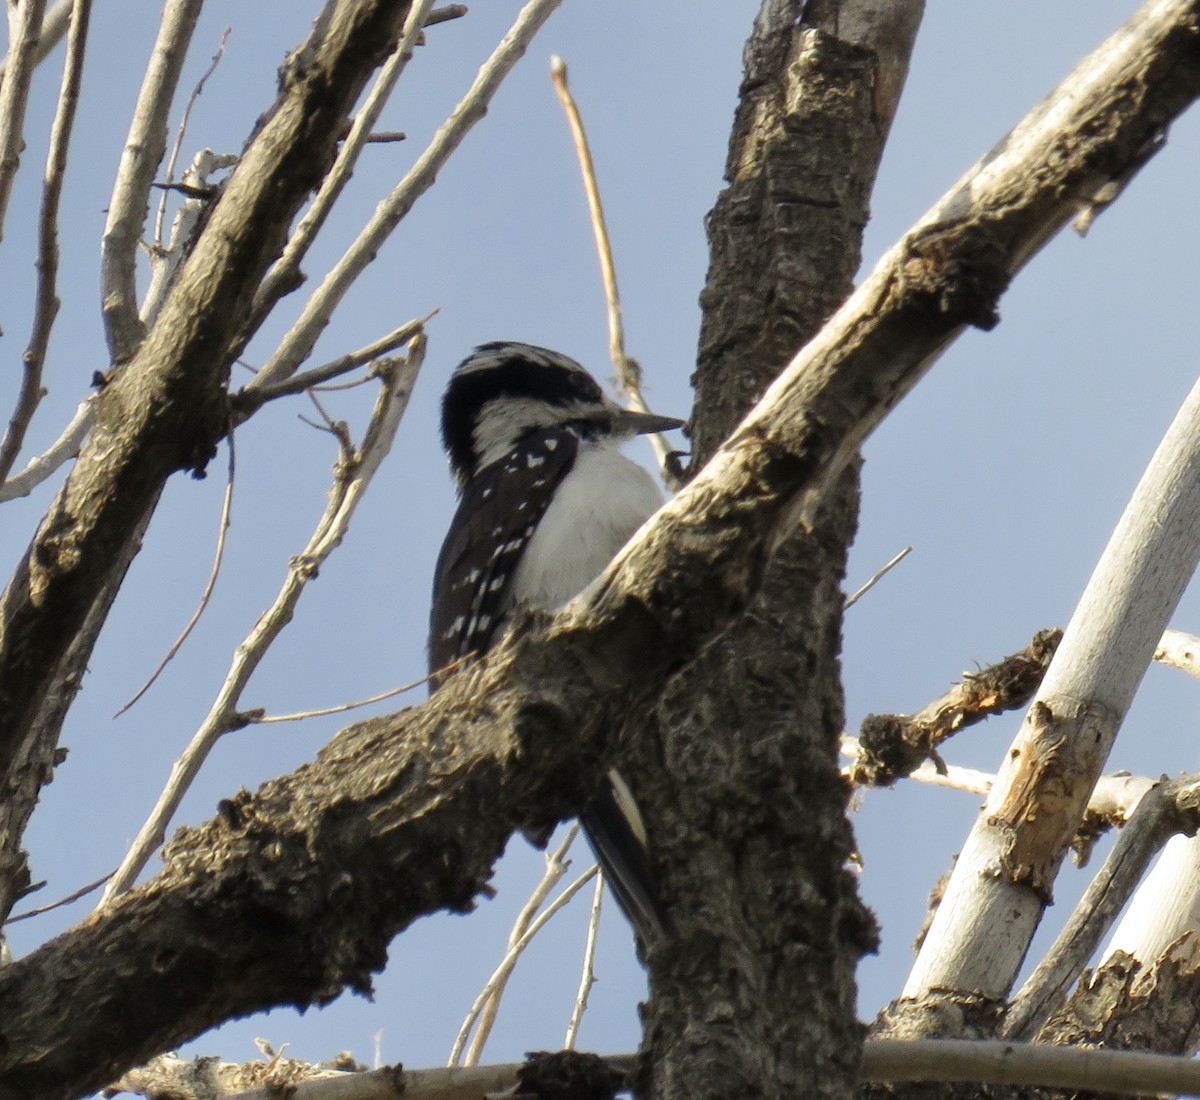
{"x": 500, "y": 509}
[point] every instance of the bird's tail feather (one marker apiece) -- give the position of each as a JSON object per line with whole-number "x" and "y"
{"x": 614, "y": 829}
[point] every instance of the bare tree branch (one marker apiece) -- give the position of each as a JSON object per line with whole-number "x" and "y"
{"x": 247, "y": 402}
{"x": 1002, "y": 880}
{"x": 24, "y": 29}
{"x": 285, "y": 272}
{"x": 54, "y": 26}
{"x": 144, "y": 149}
{"x": 1171, "y": 808}
{"x": 359, "y": 841}
{"x": 993, "y": 1063}
{"x": 167, "y": 407}
{"x": 65, "y": 448}
{"x": 894, "y": 745}
{"x": 353, "y": 474}
{"x": 300, "y": 339}
{"x": 46, "y": 305}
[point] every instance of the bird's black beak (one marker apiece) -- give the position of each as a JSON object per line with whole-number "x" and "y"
{"x": 640, "y": 423}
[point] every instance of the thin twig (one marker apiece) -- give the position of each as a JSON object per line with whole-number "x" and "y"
{"x": 144, "y": 148}
{"x": 501, "y": 974}
{"x": 248, "y": 400}
{"x": 173, "y": 160}
{"x": 24, "y": 29}
{"x": 298, "y": 343}
{"x": 83, "y": 891}
{"x": 876, "y": 578}
{"x": 206, "y": 595}
{"x": 285, "y": 272}
{"x": 46, "y": 302}
{"x": 557, "y": 865}
{"x": 341, "y": 708}
{"x": 587, "y": 978}
{"x": 352, "y": 477}
{"x": 1170, "y": 808}
{"x": 62, "y": 450}
{"x": 628, "y": 372}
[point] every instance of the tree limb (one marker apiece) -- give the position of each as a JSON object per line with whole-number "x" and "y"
{"x": 166, "y": 408}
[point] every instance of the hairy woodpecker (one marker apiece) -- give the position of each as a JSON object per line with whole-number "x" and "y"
{"x": 546, "y": 501}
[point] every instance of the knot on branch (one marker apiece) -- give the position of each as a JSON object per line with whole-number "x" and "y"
{"x": 957, "y": 271}
{"x": 567, "y": 1075}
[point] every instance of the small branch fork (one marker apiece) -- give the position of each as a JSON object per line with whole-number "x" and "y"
{"x": 353, "y": 474}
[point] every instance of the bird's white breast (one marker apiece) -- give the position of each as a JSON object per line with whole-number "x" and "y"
{"x": 603, "y": 500}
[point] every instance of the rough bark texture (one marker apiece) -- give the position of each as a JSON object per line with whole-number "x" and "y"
{"x": 737, "y": 777}
{"x": 165, "y": 409}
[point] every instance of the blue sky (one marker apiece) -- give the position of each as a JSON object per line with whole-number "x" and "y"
{"x": 1005, "y": 470}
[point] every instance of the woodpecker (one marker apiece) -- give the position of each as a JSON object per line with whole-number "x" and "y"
{"x": 546, "y": 499}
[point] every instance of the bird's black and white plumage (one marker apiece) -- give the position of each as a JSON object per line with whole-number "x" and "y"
{"x": 547, "y": 500}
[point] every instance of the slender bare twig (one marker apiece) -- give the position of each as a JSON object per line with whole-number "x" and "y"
{"x": 1170, "y": 808}
{"x": 24, "y": 29}
{"x": 144, "y": 148}
{"x": 587, "y": 977}
{"x": 285, "y": 272}
{"x": 206, "y": 595}
{"x": 502, "y": 973}
{"x": 54, "y": 26}
{"x": 83, "y": 891}
{"x": 298, "y": 343}
{"x": 557, "y": 865}
{"x": 46, "y": 302}
{"x": 628, "y": 372}
{"x": 341, "y": 708}
{"x": 249, "y": 400}
{"x": 876, "y": 578}
{"x": 66, "y": 447}
{"x": 353, "y": 474}
{"x": 173, "y": 160}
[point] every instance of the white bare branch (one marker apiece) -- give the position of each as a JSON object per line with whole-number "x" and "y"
{"x": 65, "y": 448}
{"x": 998, "y": 889}
{"x": 1158, "y": 818}
{"x": 24, "y": 30}
{"x": 144, "y": 148}
{"x": 557, "y": 866}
